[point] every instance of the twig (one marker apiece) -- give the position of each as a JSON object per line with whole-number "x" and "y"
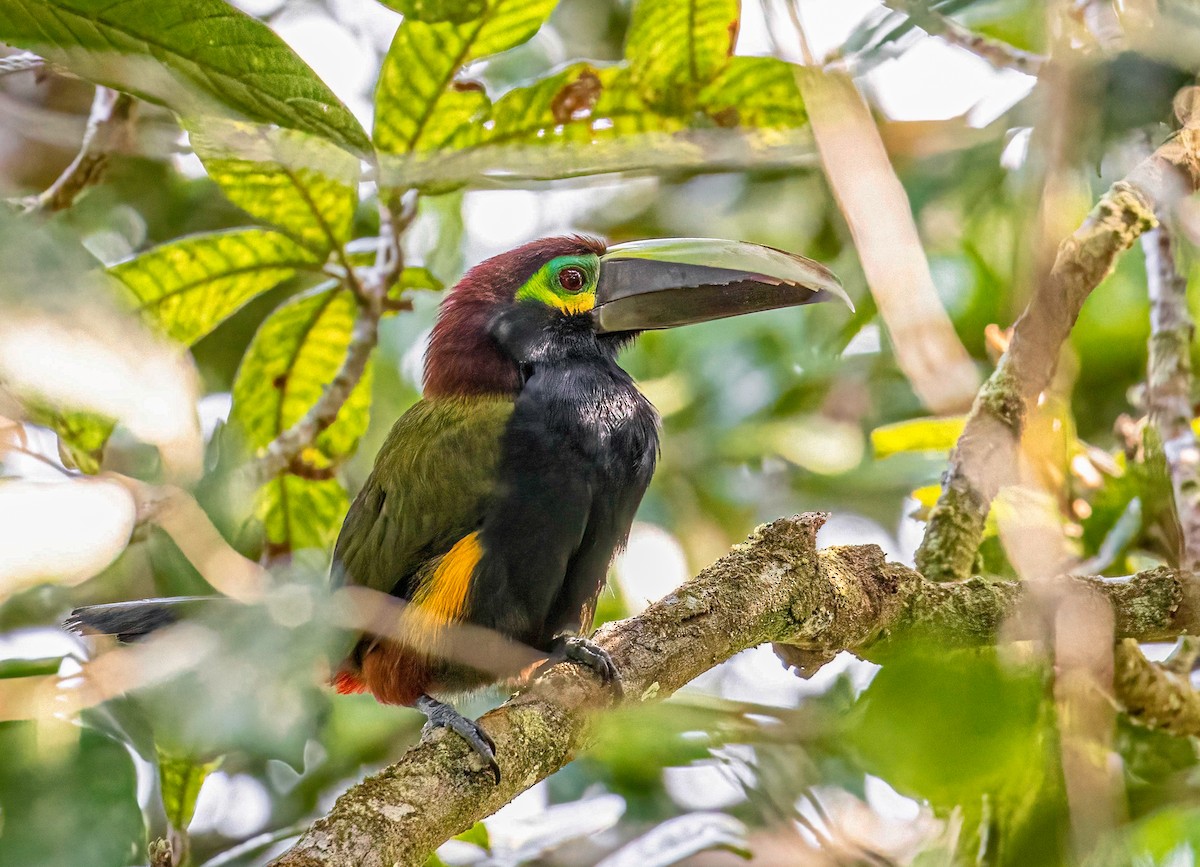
{"x": 109, "y": 128}
{"x": 370, "y": 287}
{"x": 999, "y": 54}
{"x": 1169, "y": 392}
{"x": 254, "y": 845}
{"x": 985, "y": 456}
{"x": 775, "y": 587}
{"x": 25, "y": 61}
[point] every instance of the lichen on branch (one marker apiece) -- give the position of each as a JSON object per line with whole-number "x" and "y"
{"x": 984, "y": 460}
{"x": 775, "y": 587}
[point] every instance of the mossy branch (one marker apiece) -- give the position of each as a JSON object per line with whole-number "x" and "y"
{"x": 984, "y": 459}
{"x": 775, "y": 587}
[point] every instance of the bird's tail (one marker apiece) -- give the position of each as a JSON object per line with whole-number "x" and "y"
{"x": 131, "y": 621}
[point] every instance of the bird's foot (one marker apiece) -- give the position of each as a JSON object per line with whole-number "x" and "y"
{"x": 442, "y": 715}
{"x": 575, "y": 648}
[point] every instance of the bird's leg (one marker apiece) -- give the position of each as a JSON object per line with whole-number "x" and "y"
{"x": 442, "y": 715}
{"x": 576, "y": 648}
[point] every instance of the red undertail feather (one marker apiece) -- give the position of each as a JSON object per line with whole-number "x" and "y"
{"x": 348, "y": 683}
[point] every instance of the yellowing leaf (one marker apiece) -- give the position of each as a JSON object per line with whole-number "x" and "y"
{"x": 301, "y": 514}
{"x": 189, "y": 287}
{"x": 675, "y": 47}
{"x": 296, "y": 352}
{"x": 418, "y": 104}
{"x": 917, "y": 435}
{"x": 302, "y": 184}
{"x": 757, "y": 92}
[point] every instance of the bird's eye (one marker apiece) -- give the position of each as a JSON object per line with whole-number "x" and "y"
{"x": 572, "y": 279}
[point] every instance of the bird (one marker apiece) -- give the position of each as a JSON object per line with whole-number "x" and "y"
{"x": 499, "y": 500}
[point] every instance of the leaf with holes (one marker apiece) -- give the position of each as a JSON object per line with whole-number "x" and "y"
{"x": 197, "y": 57}
{"x": 305, "y": 186}
{"x": 676, "y": 47}
{"x": 188, "y": 287}
{"x": 297, "y": 351}
{"x": 418, "y": 104}
{"x": 759, "y": 92}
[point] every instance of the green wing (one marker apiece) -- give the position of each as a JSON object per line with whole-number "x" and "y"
{"x": 429, "y": 487}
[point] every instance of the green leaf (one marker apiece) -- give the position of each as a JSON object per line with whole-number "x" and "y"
{"x": 68, "y": 796}
{"x": 297, "y": 182}
{"x": 180, "y": 779}
{"x": 81, "y": 435}
{"x": 456, "y": 11}
{"x": 917, "y": 435}
{"x": 969, "y": 723}
{"x": 415, "y": 279}
{"x": 197, "y": 57}
{"x": 758, "y": 92}
{"x": 189, "y": 287}
{"x": 477, "y": 834}
{"x": 418, "y": 104}
{"x": 300, "y": 514}
{"x": 10, "y": 668}
{"x": 675, "y": 47}
{"x": 298, "y": 349}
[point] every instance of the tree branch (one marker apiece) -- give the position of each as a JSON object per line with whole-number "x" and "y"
{"x": 776, "y": 587}
{"x": 109, "y": 127}
{"x": 371, "y": 288}
{"x": 1169, "y": 392}
{"x": 22, "y": 61}
{"x": 984, "y": 459}
{"x": 999, "y": 54}
{"x": 1154, "y": 695}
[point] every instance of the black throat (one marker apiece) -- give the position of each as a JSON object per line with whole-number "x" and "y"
{"x": 577, "y": 456}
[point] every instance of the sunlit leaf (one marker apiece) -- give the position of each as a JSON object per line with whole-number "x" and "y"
{"x": 297, "y": 182}
{"x": 180, "y": 779}
{"x": 68, "y": 796}
{"x": 917, "y": 435}
{"x": 758, "y": 92}
{"x": 675, "y": 47}
{"x": 296, "y": 352}
{"x": 198, "y": 57}
{"x": 301, "y": 514}
{"x": 190, "y": 286}
{"x": 418, "y": 104}
{"x": 456, "y": 11}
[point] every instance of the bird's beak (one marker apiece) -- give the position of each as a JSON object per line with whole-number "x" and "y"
{"x": 645, "y": 285}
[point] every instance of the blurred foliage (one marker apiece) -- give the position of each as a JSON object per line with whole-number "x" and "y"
{"x": 623, "y": 120}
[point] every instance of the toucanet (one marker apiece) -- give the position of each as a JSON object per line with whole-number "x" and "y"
{"x": 498, "y": 501}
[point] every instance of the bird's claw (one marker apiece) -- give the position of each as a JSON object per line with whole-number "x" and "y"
{"x": 441, "y": 715}
{"x": 588, "y": 653}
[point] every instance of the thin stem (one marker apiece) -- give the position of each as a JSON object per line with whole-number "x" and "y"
{"x": 109, "y": 129}
{"x": 999, "y": 54}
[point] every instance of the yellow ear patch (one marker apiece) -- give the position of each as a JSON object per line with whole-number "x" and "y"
{"x": 581, "y": 303}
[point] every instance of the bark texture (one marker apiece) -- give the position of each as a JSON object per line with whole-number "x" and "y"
{"x": 775, "y": 587}
{"x": 984, "y": 459}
